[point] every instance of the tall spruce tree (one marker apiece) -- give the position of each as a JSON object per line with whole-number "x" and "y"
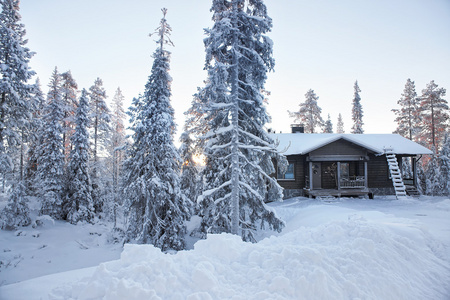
{"x": 340, "y": 125}
{"x": 357, "y": 111}
{"x": 35, "y": 138}
{"x": 117, "y": 151}
{"x": 14, "y": 89}
{"x": 79, "y": 204}
{"x": 309, "y": 114}
{"x": 100, "y": 123}
{"x": 51, "y": 156}
{"x": 238, "y": 150}
{"x": 434, "y": 114}
{"x": 407, "y": 116}
{"x": 118, "y": 136}
{"x": 156, "y": 205}
{"x": 69, "y": 90}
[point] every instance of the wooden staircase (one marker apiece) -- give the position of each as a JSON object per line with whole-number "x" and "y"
{"x": 396, "y": 175}
{"x": 412, "y": 191}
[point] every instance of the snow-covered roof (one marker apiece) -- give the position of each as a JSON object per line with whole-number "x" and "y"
{"x": 303, "y": 143}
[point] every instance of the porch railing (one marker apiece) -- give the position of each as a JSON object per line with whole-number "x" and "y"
{"x": 353, "y": 182}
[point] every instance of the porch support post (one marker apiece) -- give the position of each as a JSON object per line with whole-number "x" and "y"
{"x": 365, "y": 175}
{"x": 310, "y": 176}
{"x": 339, "y": 175}
{"x": 414, "y": 169}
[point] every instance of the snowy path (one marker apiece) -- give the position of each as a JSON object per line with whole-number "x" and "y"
{"x": 339, "y": 249}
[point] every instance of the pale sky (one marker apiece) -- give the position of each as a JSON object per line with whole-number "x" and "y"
{"x": 324, "y": 45}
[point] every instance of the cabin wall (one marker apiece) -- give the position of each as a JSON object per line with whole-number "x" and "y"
{"x": 295, "y": 187}
{"x": 378, "y": 172}
{"x": 340, "y": 147}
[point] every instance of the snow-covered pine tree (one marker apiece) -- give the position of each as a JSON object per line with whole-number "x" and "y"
{"x": 196, "y": 126}
{"x": 17, "y": 212}
{"x": 100, "y": 123}
{"x": 155, "y": 203}
{"x": 118, "y": 136}
{"x": 69, "y": 90}
{"x": 14, "y": 90}
{"x": 78, "y": 204}
{"x": 407, "y": 167}
{"x": 38, "y": 104}
{"x": 117, "y": 151}
{"x": 340, "y": 125}
{"x": 357, "y": 111}
{"x": 444, "y": 165}
{"x": 238, "y": 150}
{"x": 433, "y": 176}
{"x": 51, "y": 157}
{"x": 434, "y": 115}
{"x": 407, "y": 116}
{"x": 309, "y": 113}
{"x": 190, "y": 183}
{"x": 328, "y": 128}
{"x": 421, "y": 177}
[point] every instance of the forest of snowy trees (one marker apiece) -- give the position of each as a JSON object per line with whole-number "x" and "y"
{"x": 69, "y": 149}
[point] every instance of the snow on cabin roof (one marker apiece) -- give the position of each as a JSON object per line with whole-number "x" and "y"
{"x": 303, "y": 143}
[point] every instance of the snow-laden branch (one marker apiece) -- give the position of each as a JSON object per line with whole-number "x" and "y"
{"x": 262, "y": 148}
{"x": 215, "y": 147}
{"x": 256, "y": 138}
{"x": 251, "y": 190}
{"x": 209, "y": 192}
{"x": 217, "y": 201}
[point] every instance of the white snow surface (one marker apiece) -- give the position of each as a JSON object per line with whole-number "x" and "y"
{"x": 302, "y": 143}
{"x": 330, "y": 249}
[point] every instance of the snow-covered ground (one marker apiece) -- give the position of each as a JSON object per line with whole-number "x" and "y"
{"x": 330, "y": 249}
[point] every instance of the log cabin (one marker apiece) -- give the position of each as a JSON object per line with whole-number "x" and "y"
{"x": 347, "y": 165}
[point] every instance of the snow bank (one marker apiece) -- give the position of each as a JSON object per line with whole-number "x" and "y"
{"x": 342, "y": 259}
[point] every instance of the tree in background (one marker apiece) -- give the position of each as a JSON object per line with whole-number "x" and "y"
{"x": 328, "y": 128}
{"x": 117, "y": 149}
{"x": 100, "y": 120}
{"x": 69, "y": 90}
{"x": 192, "y": 145}
{"x": 340, "y": 125}
{"x": 357, "y": 111}
{"x": 433, "y": 176}
{"x": 190, "y": 183}
{"x": 14, "y": 90}
{"x": 434, "y": 115}
{"x": 408, "y": 114}
{"x": 444, "y": 165}
{"x": 238, "y": 150}
{"x": 421, "y": 177}
{"x": 78, "y": 204}
{"x": 17, "y": 212}
{"x": 156, "y": 205}
{"x": 309, "y": 114}
{"x": 35, "y": 138}
{"x": 51, "y": 157}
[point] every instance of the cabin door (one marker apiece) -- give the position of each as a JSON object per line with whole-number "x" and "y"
{"x": 317, "y": 175}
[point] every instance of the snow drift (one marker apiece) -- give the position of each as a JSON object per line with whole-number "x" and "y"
{"x": 351, "y": 258}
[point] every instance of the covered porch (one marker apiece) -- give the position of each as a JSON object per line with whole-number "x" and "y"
{"x": 337, "y": 176}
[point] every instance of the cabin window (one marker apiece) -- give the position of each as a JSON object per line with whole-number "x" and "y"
{"x": 345, "y": 170}
{"x": 289, "y": 174}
